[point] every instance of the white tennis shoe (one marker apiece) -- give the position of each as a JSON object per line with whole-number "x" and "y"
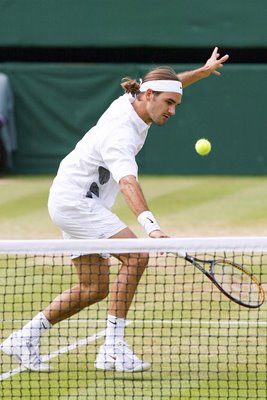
{"x": 25, "y": 351}
{"x": 119, "y": 358}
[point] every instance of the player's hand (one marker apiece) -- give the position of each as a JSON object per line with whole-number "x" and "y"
{"x": 214, "y": 62}
{"x": 158, "y": 234}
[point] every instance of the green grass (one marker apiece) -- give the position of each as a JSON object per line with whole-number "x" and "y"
{"x": 184, "y": 206}
{"x": 179, "y": 321}
{"x": 205, "y": 206}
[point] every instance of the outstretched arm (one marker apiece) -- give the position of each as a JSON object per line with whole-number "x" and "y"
{"x": 132, "y": 192}
{"x": 211, "y": 67}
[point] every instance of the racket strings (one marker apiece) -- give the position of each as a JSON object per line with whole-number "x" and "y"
{"x": 236, "y": 282}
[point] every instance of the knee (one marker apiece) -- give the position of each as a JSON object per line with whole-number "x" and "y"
{"x": 139, "y": 261}
{"x": 144, "y": 259}
{"x": 95, "y": 292}
{"x": 101, "y": 292}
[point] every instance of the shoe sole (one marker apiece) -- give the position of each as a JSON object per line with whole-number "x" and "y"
{"x": 137, "y": 369}
{"x": 113, "y": 367}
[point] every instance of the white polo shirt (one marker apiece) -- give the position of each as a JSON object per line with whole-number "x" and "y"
{"x": 103, "y": 156}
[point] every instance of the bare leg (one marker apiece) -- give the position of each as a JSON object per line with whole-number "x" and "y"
{"x": 93, "y": 274}
{"x": 115, "y": 354}
{"x": 92, "y": 287}
{"x": 124, "y": 287}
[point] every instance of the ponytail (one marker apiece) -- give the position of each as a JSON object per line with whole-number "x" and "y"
{"x": 130, "y": 86}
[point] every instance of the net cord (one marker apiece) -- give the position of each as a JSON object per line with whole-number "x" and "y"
{"x": 116, "y": 246}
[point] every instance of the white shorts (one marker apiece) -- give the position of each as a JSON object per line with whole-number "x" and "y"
{"x": 84, "y": 219}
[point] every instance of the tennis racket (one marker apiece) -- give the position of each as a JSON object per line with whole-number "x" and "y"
{"x": 232, "y": 279}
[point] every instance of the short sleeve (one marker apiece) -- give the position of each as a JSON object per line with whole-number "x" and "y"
{"x": 118, "y": 153}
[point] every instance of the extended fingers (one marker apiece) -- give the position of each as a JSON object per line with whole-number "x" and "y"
{"x": 224, "y": 58}
{"x": 215, "y": 52}
{"x": 216, "y": 55}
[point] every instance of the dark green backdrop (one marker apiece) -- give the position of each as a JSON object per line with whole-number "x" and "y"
{"x": 177, "y": 23}
{"x": 57, "y": 103}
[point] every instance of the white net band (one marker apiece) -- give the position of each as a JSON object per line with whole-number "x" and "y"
{"x": 134, "y": 245}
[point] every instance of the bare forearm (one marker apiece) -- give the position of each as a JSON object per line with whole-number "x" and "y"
{"x": 189, "y": 77}
{"x": 211, "y": 67}
{"x": 135, "y": 199}
{"x": 133, "y": 195}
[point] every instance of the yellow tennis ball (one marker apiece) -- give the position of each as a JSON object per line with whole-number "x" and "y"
{"x": 203, "y": 147}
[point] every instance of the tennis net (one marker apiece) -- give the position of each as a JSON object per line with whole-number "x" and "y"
{"x": 200, "y": 344}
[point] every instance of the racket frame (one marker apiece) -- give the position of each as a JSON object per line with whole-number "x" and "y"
{"x": 209, "y": 273}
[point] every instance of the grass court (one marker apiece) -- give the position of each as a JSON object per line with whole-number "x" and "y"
{"x": 201, "y": 345}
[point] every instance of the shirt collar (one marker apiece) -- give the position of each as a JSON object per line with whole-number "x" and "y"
{"x": 138, "y": 122}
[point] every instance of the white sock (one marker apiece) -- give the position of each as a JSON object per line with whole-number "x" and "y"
{"x": 34, "y": 329}
{"x": 115, "y": 330}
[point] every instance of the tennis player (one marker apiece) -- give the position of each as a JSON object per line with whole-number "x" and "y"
{"x": 80, "y": 201}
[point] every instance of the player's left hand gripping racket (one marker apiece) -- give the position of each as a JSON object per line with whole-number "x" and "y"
{"x": 232, "y": 279}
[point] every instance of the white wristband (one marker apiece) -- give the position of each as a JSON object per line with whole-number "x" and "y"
{"x": 148, "y": 221}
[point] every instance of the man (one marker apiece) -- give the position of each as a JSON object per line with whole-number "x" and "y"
{"x": 80, "y": 203}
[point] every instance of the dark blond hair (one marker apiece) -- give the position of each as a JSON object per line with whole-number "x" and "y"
{"x": 156, "y": 74}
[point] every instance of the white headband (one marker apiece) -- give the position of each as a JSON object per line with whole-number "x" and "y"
{"x": 162, "y": 86}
